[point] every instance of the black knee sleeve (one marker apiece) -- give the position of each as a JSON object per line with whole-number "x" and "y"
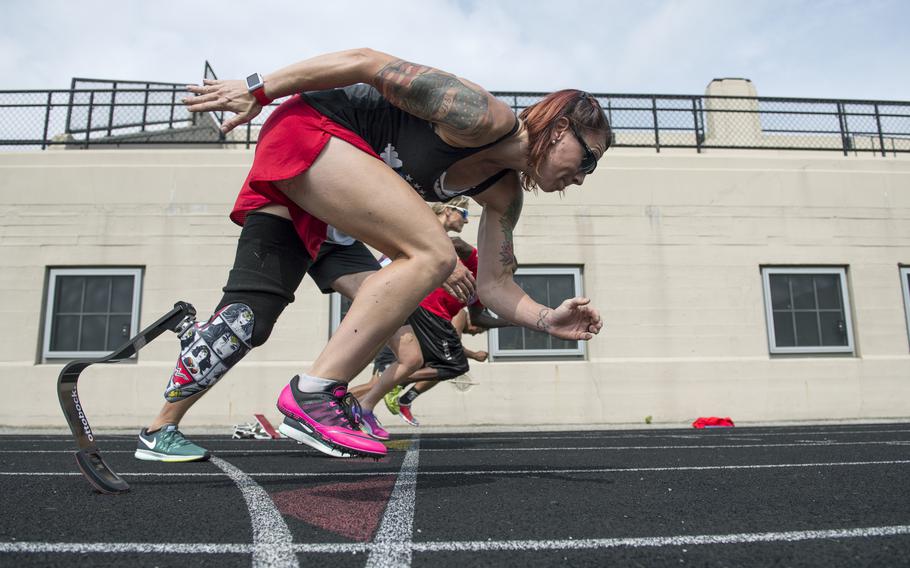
{"x": 269, "y": 266}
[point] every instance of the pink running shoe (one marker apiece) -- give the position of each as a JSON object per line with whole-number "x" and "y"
{"x": 404, "y": 410}
{"x": 371, "y": 426}
{"x": 327, "y": 421}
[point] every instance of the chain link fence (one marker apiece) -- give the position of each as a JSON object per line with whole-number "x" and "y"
{"x": 105, "y": 113}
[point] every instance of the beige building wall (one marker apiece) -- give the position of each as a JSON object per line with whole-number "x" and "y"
{"x": 671, "y": 246}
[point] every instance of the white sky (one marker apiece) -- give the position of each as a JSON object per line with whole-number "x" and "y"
{"x": 790, "y": 48}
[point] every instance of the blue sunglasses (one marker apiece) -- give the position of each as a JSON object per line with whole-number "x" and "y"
{"x": 461, "y": 210}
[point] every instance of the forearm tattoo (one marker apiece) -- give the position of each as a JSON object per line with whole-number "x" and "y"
{"x": 508, "y": 223}
{"x": 434, "y": 95}
{"x": 541, "y": 316}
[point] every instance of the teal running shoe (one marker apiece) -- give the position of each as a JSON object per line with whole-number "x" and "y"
{"x": 168, "y": 445}
{"x": 391, "y": 399}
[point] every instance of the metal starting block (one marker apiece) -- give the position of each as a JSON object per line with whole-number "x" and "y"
{"x": 463, "y": 383}
{"x": 261, "y": 429}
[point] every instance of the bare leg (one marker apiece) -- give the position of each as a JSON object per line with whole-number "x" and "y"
{"x": 172, "y": 412}
{"x": 349, "y": 284}
{"x": 361, "y": 390}
{"x": 364, "y": 198}
{"x": 410, "y": 359}
{"x": 425, "y": 374}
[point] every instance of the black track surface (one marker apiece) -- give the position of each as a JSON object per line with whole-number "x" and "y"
{"x": 790, "y": 496}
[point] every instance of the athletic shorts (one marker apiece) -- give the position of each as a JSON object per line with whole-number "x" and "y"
{"x": 271, "y": 259}
{"x": 439, "y": 344}
{"x": 289, "y": 142}
{"x": 335, "y": 261}
{"x": 385, "y": 358}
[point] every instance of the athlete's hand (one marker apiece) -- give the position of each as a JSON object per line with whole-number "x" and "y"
{"x": 232, "y": 96}
{"x": 474, "y": 329}
{"x": 480, "y": 356}
{"x": 574, "y": 319}
{"x": 460, "y": 283}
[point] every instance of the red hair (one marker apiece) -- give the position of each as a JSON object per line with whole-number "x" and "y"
{"x": 580, "y": 108}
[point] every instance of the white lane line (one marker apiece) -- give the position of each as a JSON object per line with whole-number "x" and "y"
{"x": 392, "y": 543}
{"x": 690, "y": 433}
{"x": 647, "y": 469}
{"x": 123, "y": 548}
{"x": 209, "y": 474}
{"x": 460, "y": 546}
{"x": 272, "y": 542}
{"x": 802, "y": 444}
{"x": 486, "y": 472}
{"x": 166, "y": 548}
{"x": 582, "y": 544}
{"x": 674, "y": 447}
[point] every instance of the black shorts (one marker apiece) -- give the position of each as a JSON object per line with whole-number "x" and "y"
{"x": 383, "y": 360}
{"x": 335, "y": 261}
{"x": 439, "y": 344}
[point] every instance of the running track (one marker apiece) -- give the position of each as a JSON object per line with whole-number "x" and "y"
{"x": 792, "y": 496}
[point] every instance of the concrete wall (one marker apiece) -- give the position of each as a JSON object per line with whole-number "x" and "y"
{"x": 671, "y": 246}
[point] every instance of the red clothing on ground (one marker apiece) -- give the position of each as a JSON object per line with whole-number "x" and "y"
{"x": 290, "y": 141}
{"x": 712, "y": 422}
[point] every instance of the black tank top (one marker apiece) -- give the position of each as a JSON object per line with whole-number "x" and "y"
{"x": 408, "y": 144}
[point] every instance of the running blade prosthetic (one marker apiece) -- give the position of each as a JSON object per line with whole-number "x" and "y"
{"x": 88, "y": 458}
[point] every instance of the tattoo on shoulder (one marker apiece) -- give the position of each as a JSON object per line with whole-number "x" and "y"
{"x": 508, "y": 223}
{"x": 434, "y": 95}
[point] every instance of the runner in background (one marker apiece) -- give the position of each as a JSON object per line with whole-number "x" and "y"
{"x": 400, "y": 404}
{"x": 427, "y": 348}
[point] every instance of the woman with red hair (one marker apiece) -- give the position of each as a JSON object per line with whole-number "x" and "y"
{"x": 363, "y": 141}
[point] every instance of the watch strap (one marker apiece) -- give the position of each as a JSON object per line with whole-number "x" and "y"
{"x": 260, "y": 95}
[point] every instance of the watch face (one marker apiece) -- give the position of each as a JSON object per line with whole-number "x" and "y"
{"x": 253, "y": 81}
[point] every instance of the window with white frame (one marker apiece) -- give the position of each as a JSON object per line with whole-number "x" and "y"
{"x": 90, "y": 311}
{"x": 338, "y": 308}
{"x": 905, "y": 285}
{"x": 808, "y": 310}
{"x": 549, "y": 286}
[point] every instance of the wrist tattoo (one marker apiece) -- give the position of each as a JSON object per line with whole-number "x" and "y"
{"x": 541, "y": 324}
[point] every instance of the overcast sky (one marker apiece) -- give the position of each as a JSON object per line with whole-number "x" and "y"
{"x": 797, "y": 48}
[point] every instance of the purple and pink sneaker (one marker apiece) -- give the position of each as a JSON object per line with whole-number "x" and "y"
{"x": 328, "y": 421}
{"x": 371, "y": 426}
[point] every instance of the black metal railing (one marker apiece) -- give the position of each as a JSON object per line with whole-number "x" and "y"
{"x": 94, "y": 106}
{"x": 106, "y": 113}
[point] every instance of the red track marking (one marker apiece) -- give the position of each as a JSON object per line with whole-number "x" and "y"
{"x": 350, "y": 509}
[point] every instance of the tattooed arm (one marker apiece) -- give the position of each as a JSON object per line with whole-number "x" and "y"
{"x": 465, "y": 114}
{"x": 573, "y": 319}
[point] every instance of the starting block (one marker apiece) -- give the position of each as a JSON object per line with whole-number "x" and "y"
{"x": 261, "y": 429}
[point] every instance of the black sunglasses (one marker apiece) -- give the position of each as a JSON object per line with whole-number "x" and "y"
{"x": 588, "y": 159}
